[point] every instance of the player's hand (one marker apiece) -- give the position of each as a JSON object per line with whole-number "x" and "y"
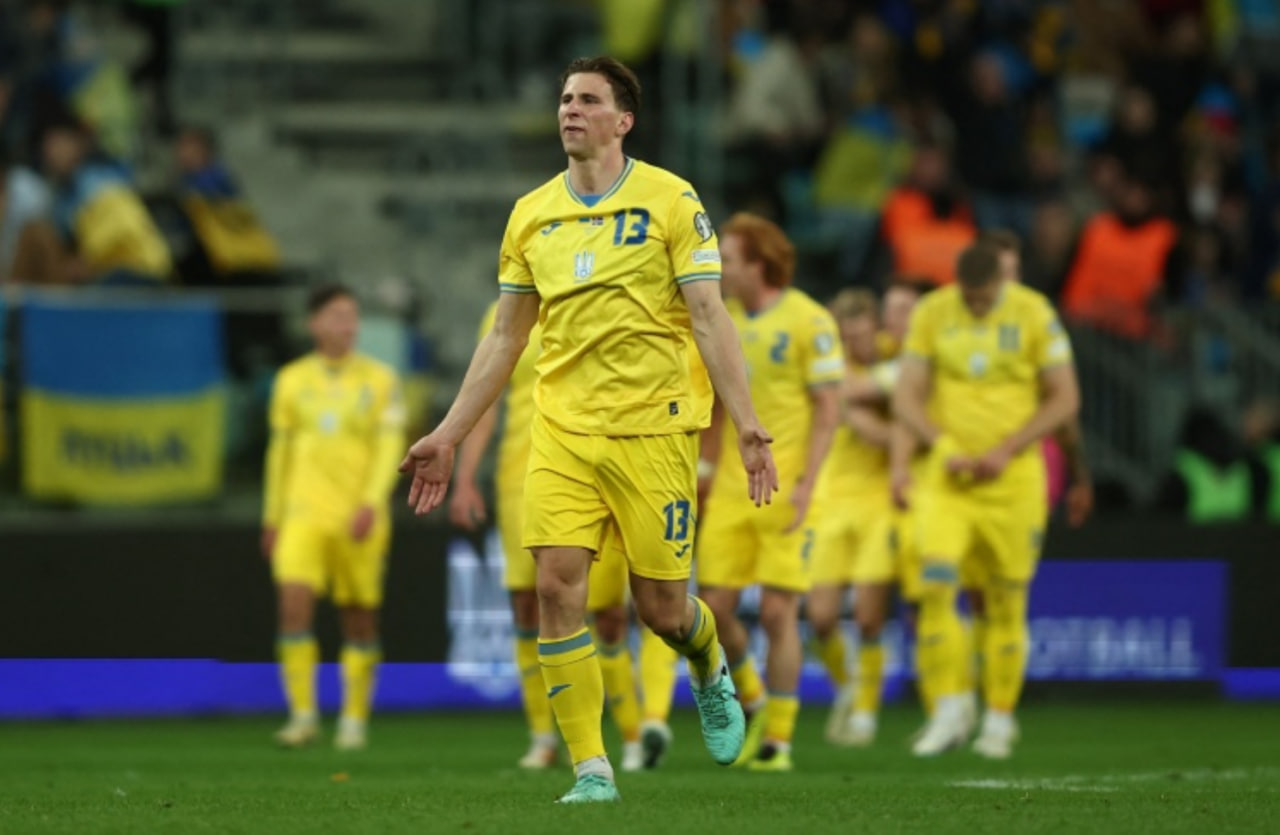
{"x": 991, "y": 465}
{"x": 466, "y": 508}
{"x": 801, "y": 498}
{"x": 430, "y": 460}
{"x": 900, "y": 485}
{"x": 362, "y": 524}
{"x": 1079, "y": 503}
{"x": 762, "y": 474}
{"x": 962, "y": 467}
{"x": 268, "y": 542}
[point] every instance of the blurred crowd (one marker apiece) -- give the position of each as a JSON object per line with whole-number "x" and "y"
{"x": 73, "y": 140}
{"x": 1133, "y": 146}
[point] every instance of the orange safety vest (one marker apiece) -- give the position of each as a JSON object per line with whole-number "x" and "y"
{"x": 1117, "y": 270}
{"x": 922, "y": 244}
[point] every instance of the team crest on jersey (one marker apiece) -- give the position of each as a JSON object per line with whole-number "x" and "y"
{"x": 978, "y": 364}
{"x": 702, "y": 225}
{"x": 584, "y": 264}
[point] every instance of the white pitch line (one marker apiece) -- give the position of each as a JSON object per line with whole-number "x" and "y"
{"x": 1108, "y": 782}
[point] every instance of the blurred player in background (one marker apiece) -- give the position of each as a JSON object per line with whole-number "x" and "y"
{"x": 851, "y": 545}
{"x": 337, "y": 427}
{"x": 795, "y": 367}
{"x": 986, "y": 373}
{"x": 607, "y": 596}
{"x": 618, "y": 261}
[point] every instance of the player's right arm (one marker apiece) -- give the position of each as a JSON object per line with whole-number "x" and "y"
{"x": 280, "y": 417}
{"x": 431, "y": 458}
{"x": 717, "y": 340}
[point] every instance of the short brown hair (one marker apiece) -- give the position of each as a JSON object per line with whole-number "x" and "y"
{"x": 854, "y": 303}
{"x": 919, "y": 285}
{"x": 978, "y": 265}
{"x": 623, "y": 82}
{"x": 322, "y": 294}
{"x": 1002, "y": 240}
{"x": 763, "y": 240}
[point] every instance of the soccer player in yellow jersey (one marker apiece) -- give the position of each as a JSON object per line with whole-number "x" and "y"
{"x": 607, "y": 593}
{"x": 337, "y": 427}
{"x": 619, "y": 263}
{"x": 794, "y": 365}
{"x": 852, "y": 544}
{"x": 986, "y": 373}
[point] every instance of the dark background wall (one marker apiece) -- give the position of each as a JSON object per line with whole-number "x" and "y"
{"x": 191, "y": 592}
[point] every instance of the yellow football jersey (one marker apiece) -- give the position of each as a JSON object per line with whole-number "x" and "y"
{"x": 616, "y": 332}
{"x": 789, "y": 348}
{"x": 513, "y": 444}
{"x": 337, "y": 435}
{"x": 853, "y": 467}
{"x": 986, "y": 371}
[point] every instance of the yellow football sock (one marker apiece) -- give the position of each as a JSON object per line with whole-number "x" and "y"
{"x": 359, "y": 663}
{"x": 1005, "y": 659}
{"x": 940, "y": 647}
{"x": 657, "y": 675}
{"x": 299, "y": 655}
{"x": 746, "y": 678}
{"x": 575, "y": 688}
{"x": 866, "y": 698}
{"x": 831, "y": 652}
{"x": 620, "y": 689}
{"x": 537, "y": 710}
{"x": 780, "y": 718}
{"x": 975, "y": 639}
{"x": 702, "y": 645}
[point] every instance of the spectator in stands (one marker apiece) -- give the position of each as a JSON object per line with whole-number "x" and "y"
{"x": 66, "y": 71}
{"x": 926, "y": 221}
{"x": 1210, "y": 481}
{"x": 234, "y": 247}
{"x": 24, "y": 199}
{"x": 1136, "y": 142}
{"x": 1123, "y": 264}
{"x": 991, "y": 153}
{"x": 1050, "y": 247}
{"x": 775, "y": 120}
{"x": 99, "y": 214}
{"x": 1263, "y": 277}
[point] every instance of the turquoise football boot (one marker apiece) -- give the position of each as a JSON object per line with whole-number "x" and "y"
{"x": 724, "y": 727}
{"x": 592, "y": 788}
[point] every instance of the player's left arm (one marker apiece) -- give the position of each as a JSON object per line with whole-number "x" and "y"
{"x": 869, "y": 425}
{"x": 695, "y": 263}
{"x": 823, "y": 370}
{"x": 1070, "y": 438}
{"x": 387, "y": 442}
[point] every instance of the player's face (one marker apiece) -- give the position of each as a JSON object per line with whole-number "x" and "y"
{"x": 980, "y": 300}
{"x": 335, "y": 326}
{"x": 1010, "y": 266}
{"x": 858, "y": 333}
{"x": 590, "y": 120}
{"x": 740, "y": 277}
{"x": 896, "y": 312}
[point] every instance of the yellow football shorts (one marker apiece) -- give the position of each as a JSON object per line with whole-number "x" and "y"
{"x": 646, "y": 485}
{"x": 742, "y": 544}
{"x": 519, "y": 571}
{"x": 330, "y": 561}
{"x": 1001, "y": 532}
{"x": 851, "y": 544}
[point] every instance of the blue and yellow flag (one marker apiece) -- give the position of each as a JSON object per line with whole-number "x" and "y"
{"x": 122, "y": 404}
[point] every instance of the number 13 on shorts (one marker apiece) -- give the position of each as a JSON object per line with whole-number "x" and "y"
{"x": 680, "y": 521}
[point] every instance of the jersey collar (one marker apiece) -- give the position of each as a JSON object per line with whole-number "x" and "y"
{"x": 617, "y": 184}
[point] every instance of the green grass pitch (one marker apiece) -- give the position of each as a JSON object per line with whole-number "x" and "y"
{"x": 1204, "y": 768}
